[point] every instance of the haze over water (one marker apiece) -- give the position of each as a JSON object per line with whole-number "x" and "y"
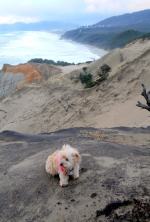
{"x": 19, "y": 47}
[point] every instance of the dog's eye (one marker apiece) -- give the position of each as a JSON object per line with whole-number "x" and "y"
{"x": 67, "y": 159}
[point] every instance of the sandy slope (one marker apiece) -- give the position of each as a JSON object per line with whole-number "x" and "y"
{"x": 61, "y": 102}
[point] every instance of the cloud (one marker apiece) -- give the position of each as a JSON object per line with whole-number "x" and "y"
{"x": 67, "y": 10}
{"x": 93, "y": 6}
{"x": 13, "y": 19}
{"x": 14, "y": 10}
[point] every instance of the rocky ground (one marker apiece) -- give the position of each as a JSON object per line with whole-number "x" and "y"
{"x": 114, "y": 183}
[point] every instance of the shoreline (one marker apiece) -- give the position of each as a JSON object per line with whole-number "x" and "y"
{"x": 91, "y": 47}
{"x": 45, "y": 45}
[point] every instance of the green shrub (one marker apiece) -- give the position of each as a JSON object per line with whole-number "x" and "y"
{"x": 103, "y": 73}
{"x": 86, "y": 78}
{"x": 105, "y": 68}
{"x": 50, "y": 62}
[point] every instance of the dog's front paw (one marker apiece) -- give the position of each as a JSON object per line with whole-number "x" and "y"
{"x": 76, "y": 177}
{"x": 63, "y": 184}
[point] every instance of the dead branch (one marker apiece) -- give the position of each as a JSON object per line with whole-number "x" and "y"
{"x": 146, "y": 95}
{"x": 139, "y": 104}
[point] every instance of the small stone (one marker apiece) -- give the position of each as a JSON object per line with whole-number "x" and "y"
{"x": 59, "y": 203}
{"x": 93, "y": 195}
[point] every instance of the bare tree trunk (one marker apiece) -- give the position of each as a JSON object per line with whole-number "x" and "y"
{"x": 146, "y": 95}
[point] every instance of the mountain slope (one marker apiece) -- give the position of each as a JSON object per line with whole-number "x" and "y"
{"x": 140, "y": 17}
{"x": 103, "y": 38}
{"x": 112, "y": 32}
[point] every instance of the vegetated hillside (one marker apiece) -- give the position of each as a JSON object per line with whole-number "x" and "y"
{"x": 113, "y": 32}
{"x": 123, "y": 38}
{"x": 104, "y": 39}
{"x": 135, "y": 18}
{"x": 49, "y": 62}
{"x": 62, "y": 101}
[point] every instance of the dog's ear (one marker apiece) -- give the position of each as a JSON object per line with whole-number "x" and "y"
{"x": 76, "y": 156}
{"x": 64, "y": 146}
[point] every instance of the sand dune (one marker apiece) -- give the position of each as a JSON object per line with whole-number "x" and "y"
{"x": 62, "y": 102}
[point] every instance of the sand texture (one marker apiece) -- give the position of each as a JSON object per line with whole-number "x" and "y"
{"x": 60, "y": 100}
{"x": 114, "y": 183}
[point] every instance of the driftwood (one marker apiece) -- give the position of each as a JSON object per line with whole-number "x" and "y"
{"x": 146, "y": 95}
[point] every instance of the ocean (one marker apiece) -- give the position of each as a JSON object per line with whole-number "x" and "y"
{"x": 19, "y": 47}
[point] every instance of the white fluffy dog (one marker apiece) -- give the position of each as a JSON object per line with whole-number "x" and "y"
{"x": 64, "y": 162}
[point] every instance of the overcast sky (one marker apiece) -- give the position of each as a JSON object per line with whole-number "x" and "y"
{"x": 75, "y": 11}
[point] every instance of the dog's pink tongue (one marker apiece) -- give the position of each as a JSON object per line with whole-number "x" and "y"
{"x": 62, "y": 168}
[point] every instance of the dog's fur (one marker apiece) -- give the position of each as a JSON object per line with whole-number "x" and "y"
{"x": 63, "y": 162}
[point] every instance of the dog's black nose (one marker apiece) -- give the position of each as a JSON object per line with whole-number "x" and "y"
{"x": 61, "y": 164}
